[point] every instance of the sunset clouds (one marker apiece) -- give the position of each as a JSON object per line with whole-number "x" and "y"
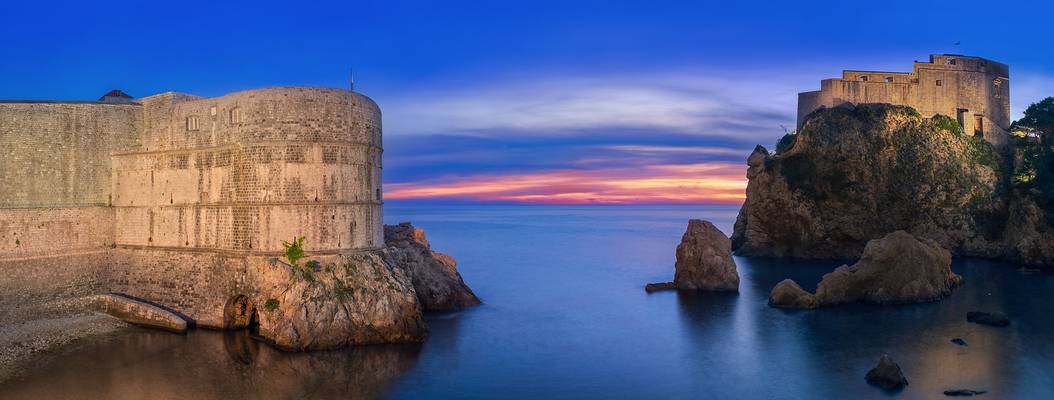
{"x": 714, "y": 183}
{"x": 665, "y": 138}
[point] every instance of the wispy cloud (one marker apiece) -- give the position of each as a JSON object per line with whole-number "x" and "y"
{"x": 740, "y": 104}
{"x": 719, "y": 183}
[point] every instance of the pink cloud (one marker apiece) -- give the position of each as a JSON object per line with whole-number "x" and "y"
{"x": 714, "y": 183}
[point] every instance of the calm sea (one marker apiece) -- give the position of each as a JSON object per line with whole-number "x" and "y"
{"x": 565, "y": 316}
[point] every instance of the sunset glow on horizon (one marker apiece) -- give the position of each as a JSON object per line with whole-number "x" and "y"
{"x": 709, "y": 183}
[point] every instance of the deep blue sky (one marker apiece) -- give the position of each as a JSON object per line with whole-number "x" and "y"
{"x": 482, "y": 90}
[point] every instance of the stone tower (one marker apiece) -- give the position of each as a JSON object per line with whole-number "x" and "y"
{"x": 973, "y": 90}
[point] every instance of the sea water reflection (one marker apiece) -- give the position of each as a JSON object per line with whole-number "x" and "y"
{"x": 565, "y": 316}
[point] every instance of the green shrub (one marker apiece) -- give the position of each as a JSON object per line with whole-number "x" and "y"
{"x": 294, "y": 251}
{"x": 786, "y": 142}
{"x": 947, "y": 123}
{"x": 271, "y": 304}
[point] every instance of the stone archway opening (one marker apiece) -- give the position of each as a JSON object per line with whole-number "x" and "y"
{"x": 239, "y": 313}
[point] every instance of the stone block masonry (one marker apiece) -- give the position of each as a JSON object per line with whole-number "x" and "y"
{"x": 171, "y": 198}
{"x": 972, "y": 90}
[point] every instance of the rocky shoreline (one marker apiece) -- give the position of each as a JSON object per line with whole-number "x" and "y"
{"x": 854, "y": 173}
{"x": 32, "y": 334}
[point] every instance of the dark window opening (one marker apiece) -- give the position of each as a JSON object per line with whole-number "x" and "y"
{"x": 950, "y": 61}
{"x": 863, "y": 78}
{"x": 978, "y": 129}
{"x": 939, "y": 83}
{"x": 378, "y": 194}
{"x": 889, "y": 79}
{"x": 960, "y": 116}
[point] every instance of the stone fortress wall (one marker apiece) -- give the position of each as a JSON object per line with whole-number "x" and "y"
{"x": 172, "y": 197}
{"x": 973, "y": 90}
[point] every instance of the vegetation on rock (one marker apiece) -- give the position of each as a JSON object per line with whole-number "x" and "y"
{"x": 857, "y": 172}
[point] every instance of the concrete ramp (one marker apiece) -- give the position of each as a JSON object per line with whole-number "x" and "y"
{"x": 139, "y": 313}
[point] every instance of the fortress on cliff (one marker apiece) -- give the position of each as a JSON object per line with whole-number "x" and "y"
{"x": 973, "y": 90}
{"x": 178, "y": 199}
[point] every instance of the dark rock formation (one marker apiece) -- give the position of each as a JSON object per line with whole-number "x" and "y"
{"x": 984, "y": 318}
{"x": 887, "y": 374}
{"x": 340, "y": 301}
{"x": 959, "y": 342}
{"x": 898, "y": 268}
{"x": 787, "y": 294}
{"x": 704, "y": 259}
{"x": 655, "y": 287}
{"x": 435, "y": 278}
{"x": 857, "y": 173}
{"x": 138, "y": 313}
{"x": 964, "y": 392}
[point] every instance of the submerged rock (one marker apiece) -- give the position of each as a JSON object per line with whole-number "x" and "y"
{"x": 964, "y": 392}
{"x": 787, "y": 294}
{"x": 655, "y": 287}
{"x": 339, "y": 301}
{"x": 959, "y": 342}
{"x": 887, "y": 374}
{"x": 704, "y": 259}
{"x": 895, "y": 269}
{"x": 138, "y": 313}
{"x": 984, "y": 318}
{"x": 435, "y": 278}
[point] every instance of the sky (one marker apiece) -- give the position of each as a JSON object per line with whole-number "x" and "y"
{"x": 565, "y": 102}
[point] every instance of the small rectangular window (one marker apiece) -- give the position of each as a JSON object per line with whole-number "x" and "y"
{"x": 889, "y": 79}
{"x": 863, "y": 78}
{"x": 939, "y": 83}
{"x": 193, "y": 123}
{"x": 236, "y": 115}
{"x": 950, "y": 61}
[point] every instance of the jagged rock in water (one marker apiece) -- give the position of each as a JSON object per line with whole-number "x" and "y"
{"x": 959, "y": 342}
{"x": 857, "y": 173}
{"x": 435, "y": 278}
{"x": 887, "y": 374}
{"x": 787, "y": 294}
{"x": 339, "y": 301}
{"x": 655, "y": 287}
{"x": 704, "y": 259}
{"x": 898, "y": 268}
{"x": 985, "y": 318}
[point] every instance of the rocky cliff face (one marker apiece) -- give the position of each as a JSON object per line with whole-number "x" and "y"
{"x": 339, "y": 301}
{"x": 856, "y": 173}
{"x": 435, "y": 278}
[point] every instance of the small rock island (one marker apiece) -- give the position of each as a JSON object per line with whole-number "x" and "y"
{"x": 704, "y": 261}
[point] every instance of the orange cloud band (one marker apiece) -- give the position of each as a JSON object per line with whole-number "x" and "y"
{"x": 715, "y": 183}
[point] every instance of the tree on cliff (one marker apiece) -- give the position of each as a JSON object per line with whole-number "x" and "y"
{"x": 1037, "y": 158}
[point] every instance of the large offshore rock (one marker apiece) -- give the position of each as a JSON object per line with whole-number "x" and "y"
{"x": 435, "y": 278}
{"x": 704, "y": 259}
{"x": 896, "y": 269}
{"x": 857, "y": 173}
{"x": 338, "y": 302}
{"x": 138, "y": 313}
